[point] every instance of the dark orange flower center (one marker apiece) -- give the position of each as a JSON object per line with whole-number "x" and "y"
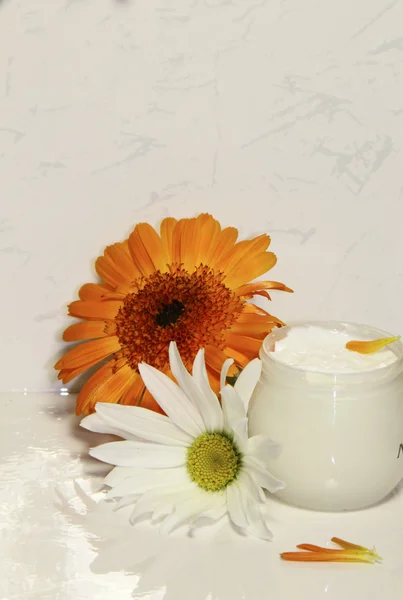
{"x": 194, "y": 309}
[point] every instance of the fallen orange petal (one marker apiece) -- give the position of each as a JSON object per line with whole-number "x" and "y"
{"x": 349, "y": 553}
{"x": 371, "y": 346}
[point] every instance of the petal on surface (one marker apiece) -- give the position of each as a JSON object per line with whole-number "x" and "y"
{"x": 210, "y": 411}
{"x": 140, "y": 454}
{"x": 263, "y": 449}
{"x": 190, "y": 508}
{"x": 143, "y": 423}
{"x": 235, "y": 506}
{"x": 117, "y": 474}
{"x": 257, "y": 524}
{"x": 157, "y": 498}
{"x": 254, "y": 522}
{"x": 261, "y": 475}
{"x": 172, "y": 400}
{"x": 247, "y": 380}
{"x": 146, "y": 479}
{"x": 224, "y": 372}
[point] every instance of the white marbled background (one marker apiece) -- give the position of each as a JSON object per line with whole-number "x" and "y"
{"x": 277, "y": 116}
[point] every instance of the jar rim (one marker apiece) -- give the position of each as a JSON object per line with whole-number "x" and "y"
{"x": 268, "y": 359}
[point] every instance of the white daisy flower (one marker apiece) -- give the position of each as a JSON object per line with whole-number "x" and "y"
{"x": 197, "y": 461}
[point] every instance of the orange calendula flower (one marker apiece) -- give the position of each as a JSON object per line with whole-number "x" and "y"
{"x": 348, "y": 553}
{"x": 189, "y": 284}
{"x": 371, "y": 346}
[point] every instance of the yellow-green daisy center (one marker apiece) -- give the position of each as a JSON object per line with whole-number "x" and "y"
{"x": 213, "y": 461}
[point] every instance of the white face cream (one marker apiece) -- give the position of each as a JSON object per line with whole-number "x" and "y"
{"x": 337, "y": 414}
{"x": 321, "y": 349}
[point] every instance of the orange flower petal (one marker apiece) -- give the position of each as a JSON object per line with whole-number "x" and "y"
{"x": 176, "y": 241}
{"x": 110, "y": 389}
{"x": 369, "y": 347}
{"x": 239, "y": 358}
{"x": 211, "y": 233}
{"x": 87, "y": 330}
{"x": 107, "y": 271}
{"x": 166, "y": 231}
{"x": 89, "y": 353}
{"x": 250, "y": 289}
{"x": 88, "y": 309}
{"x": 349, "y": 553}
{"x": 134, "y": 393}
{"x": 215, "y": 358}
{"x": 96, "y": 292}
{"x": 335, "y": 556}
{"x": 253, "y": 266}
{"x": 83, "y": 398}
{"x": 225, "y": 246}
{"x": 247, "y": 345}
{"x": 147, "y": 249}
{"x": 190, "y": 244}
{"x": 122, "y": 261}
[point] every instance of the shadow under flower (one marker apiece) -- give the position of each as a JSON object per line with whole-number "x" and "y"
{"x": 208, "y": 562}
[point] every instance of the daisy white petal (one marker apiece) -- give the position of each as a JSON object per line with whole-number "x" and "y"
{"x": 145, "y": 479}
{"x": 209, "y": 411}
{"x": 155, "y": 499}
{"x": 197, "y": 462}
{"x": 199, "y": 374}
{"x": 224, "y": 371}
{"x": 188, "y": 509}
{"x": 142, "y": 423}
{"x": 97, "y": 425}
{"x": 247, "y": 380}
{"x": 172, "y": 400}
{"x": 240, "y": 434}
{"x": 236, "y": 508}
{"x": 140, "y": 454}
{"x": 257, "y": 525}
{"x": 117, "y": 474}
{"x": 263, "y": 449}
{"x": 232, "y": 407}
{"x": 262, "y": 476}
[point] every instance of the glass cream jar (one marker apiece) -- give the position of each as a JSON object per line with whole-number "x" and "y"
{"x": 341, "y": 432}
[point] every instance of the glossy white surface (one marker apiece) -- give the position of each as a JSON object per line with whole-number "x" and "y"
{"x": 280, "y": 116}
{"x": 56, "y": 546}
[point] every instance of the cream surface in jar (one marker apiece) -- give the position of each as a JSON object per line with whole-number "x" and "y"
{"x": 337, "y": 414}
{"x": 323, "y": 349}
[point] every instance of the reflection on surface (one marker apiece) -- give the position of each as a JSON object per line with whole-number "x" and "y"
{"x": 58, "y": 543}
